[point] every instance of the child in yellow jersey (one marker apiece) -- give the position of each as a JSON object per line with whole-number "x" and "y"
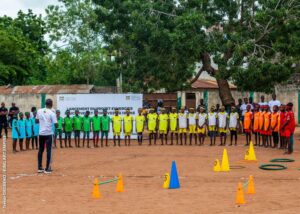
{"x": 182, "y": 122}
{"x": 163, "y": 126}
{"x": 127, "y": 126}
{"x": 192, "y": 121}
{"x": 173, "y": 117}
{"x": 222, "y": 124}
{"x": 139, "y": 126}
{"x": 212, "y": 124}
{"x": 202, "y": 121}
{"x": 152, "y": 125}
{"x": 117, "y": 126}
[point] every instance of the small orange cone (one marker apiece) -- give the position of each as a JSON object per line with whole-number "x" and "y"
{"x": 251, "y": 188}
{"x": 120, "y": 185}
{"x": 96, "y": 189}
{"x": 240, "y": 195}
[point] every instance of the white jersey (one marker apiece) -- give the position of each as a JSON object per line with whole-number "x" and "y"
{"x": 201, "y": 119}
{"x": 212, "y": 118}
{"x": 192, "y": 118}
{"x": 182, "y": 119}
{"x": 222, "y": 119}
{"x": 46, "y": 119}
{"x": 233, "y": 120}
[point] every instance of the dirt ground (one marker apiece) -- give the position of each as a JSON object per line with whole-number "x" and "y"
{"x": 68, "y": 189}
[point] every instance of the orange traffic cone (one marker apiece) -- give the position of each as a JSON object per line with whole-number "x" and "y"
{"x": 251, "y": 188}
{"x": 120, "y": 185}
{"x": 96, "y": 189}
{"x": 240, "y": 195}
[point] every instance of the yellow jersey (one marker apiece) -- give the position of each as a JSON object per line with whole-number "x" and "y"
{"x": 173, "y": 121}
{"x": 163, "y": 122}
{"x": 117, "y": 123}
{"x": 139, "y": 123}
{"x": 152, "y": 120}
{"x": 128, "y": 120}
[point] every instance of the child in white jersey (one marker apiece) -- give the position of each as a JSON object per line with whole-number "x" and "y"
{"x": 212, "y": 125}
{"x": 192, "y": 121}
{"x": 222, "y": 124}
{"x": 233, "y": 125}
{"x": 182, "y": 122}
{"x": 202, "y": 121}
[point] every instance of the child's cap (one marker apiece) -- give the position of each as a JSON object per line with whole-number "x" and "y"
{"x": 20, "y": 114}
{"x": 173, "y": 108}
{"x": 212, "y": 108}
{"x": 222, "y": 108}
{"x": 192, "y": 109}
{"x": 202, "y": 108}
{"x": 182, "y": 108}
{"x": 27, "y": 113}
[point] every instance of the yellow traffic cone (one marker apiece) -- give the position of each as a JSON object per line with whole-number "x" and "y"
{"x": 217, "y": 167}
{"x": 251, "y": 188}
{"x": 120, "y": 185}
{"x": 96, "y": 189}
{"x": 251, "y": 156}
{"x": 240, "y": 194}
{"x": 166, "y": 181}
{"x": 225, "y": 162}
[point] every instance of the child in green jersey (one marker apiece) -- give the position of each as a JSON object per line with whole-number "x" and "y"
{"x": 86, "y": 125}
{"x": 104, "y": 127}
{"x": 67, "y": 126}
{"x": 77, "y": 125}
{"x": 58, "y": 130}
{"x": 96, "y": 128}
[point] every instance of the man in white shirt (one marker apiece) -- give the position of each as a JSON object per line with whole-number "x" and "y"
{"x": 46, "y": 118}
{"x": 274, "y": 102}
{"x": 262, "y": 101}
{"x": 244, "y": 106}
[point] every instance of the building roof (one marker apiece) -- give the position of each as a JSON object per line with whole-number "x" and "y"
{"x": 47, "y": 89}
{"x": 208, "y": 84}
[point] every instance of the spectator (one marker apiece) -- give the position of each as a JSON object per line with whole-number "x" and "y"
{"x": 274, "y": 102}
{"x": 201, "y": 105}
{"x": 3, "y": 119}
{"x": 238, "y": 107}
{"x": 13, "y": 112}
{"x": 243, "y": 107}
{"x": 262, "y": 101}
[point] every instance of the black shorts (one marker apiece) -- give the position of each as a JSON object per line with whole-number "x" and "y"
{"x": 233, "y": 132}
{"x": 68, "y": 134}
{"x": 77, "y": 133}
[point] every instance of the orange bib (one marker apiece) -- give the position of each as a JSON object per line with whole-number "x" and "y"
{"x": 247, "y": 120}
{"x": 261, "y": 120}
{"x": 256, "y": 121}
{"x": 267, "y": 117}
{"x": 274, "y": 120}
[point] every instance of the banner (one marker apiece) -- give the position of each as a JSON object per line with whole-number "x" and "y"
{"x": 91, "y": 102}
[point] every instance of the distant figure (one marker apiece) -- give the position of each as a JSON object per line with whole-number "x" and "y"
{"x": 3, "y": 119}
{"x": 262, "y": 101}
{"x": 274, "y": 102}
{"x": 13, "y": 112}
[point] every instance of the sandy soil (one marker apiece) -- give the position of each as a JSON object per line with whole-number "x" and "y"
{"x": 69, "y": 188}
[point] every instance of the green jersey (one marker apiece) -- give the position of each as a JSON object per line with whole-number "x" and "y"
{"x": 68, "y": 124}
{"x": 59, "y": 123}
{"x": 86, "y": 124}
{"x": 77, "y": 122}
{"x": 96, "y": 123}
{"x": 105, "y": 122}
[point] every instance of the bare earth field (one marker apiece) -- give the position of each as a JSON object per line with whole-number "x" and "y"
{"x": 68, "y": 189}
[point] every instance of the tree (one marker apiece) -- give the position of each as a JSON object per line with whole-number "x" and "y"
{"x": 77, "y": 46}
{"x": 254, "y": 43}
{"x": 23, "y": 49}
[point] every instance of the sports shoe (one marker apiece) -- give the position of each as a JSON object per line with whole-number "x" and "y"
{"x": 41, "y": 170}
{"x": 48, "y": 171}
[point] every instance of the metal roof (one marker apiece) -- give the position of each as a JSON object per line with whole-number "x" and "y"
{"x": 47, "y": 89}
{"x": 208, "y": 84}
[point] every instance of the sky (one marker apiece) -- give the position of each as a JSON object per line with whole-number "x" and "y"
{"x": 11, "y": 7}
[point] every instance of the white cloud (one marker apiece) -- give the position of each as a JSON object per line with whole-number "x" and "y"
{"x": 11, "y": 7}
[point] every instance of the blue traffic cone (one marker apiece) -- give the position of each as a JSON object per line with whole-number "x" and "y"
{"x": 174, "y": 181}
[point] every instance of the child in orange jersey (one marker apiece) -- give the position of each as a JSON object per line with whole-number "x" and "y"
{"x": 248, "y": 124}
{"x": 267, "y": 127}
{"x": 256, "y": 124}
{"x": 261, "y": 125}
{"x": 275, "y": 126}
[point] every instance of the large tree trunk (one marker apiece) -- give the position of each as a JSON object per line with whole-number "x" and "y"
{"x": 225, "y": 93}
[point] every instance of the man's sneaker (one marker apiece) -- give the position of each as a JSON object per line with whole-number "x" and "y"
{"x": 41, "y": 170}
{"x": 48, "y": 171}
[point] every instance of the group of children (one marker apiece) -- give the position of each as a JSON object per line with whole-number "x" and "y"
{"x": 197, "y": 125}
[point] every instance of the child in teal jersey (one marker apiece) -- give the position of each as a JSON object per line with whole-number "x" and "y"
{"x": 22, "y": 131}
{"x": 15, "y": 133}
{"x": 36, "y": 129}
{"x": 28, "y": 129}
